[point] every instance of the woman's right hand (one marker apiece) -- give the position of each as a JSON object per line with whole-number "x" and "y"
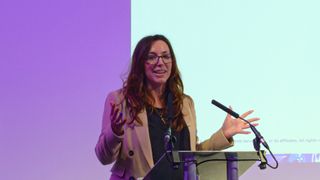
{"x": 116, "y": 120}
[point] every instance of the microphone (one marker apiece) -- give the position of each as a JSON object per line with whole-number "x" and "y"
{"x": 167, "y": 139}
{"x": 229, "y": 111}
{"x": 259, "y": 137}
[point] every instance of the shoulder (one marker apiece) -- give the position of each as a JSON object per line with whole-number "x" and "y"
{"x": 115, "y": 96}
{"x": 187, "y": 100}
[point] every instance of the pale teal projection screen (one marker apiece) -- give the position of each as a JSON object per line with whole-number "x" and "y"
{"x": 261, "y": 55}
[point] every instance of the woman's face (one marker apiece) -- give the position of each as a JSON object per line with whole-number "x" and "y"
{"x": 158, "y": 64}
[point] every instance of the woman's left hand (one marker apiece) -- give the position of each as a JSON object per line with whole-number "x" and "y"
{"x": 232, "y": 126}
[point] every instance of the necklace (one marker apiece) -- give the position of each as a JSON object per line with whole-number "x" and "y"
{"x": 160, "y": 113}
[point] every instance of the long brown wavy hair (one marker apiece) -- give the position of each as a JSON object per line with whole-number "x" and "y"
{"x": 135, "y": 90}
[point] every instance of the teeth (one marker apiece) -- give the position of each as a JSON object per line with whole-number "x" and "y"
{"x": 159, "y": 71}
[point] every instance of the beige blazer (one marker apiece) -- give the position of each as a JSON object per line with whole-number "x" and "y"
{"x": 132, "y": 152}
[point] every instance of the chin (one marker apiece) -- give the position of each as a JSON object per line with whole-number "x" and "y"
{"x": 160, "y": 81}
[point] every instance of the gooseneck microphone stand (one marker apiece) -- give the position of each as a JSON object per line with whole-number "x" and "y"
{"x": 169, "y": 139}
{"x": 256, "y": 141}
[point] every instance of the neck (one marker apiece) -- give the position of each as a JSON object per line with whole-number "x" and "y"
{"x": 156, "y": 93}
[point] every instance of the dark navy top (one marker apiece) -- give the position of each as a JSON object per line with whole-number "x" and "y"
{"x": 157, "y": 129}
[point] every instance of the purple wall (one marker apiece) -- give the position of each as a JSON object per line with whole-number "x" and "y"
{"x": 58, "y": 60}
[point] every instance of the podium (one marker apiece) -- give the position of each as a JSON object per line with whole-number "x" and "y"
{"x": 213, "y": 165}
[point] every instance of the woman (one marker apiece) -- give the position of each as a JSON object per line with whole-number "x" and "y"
{"x": 135, "y": 117}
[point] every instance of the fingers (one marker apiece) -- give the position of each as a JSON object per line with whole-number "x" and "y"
{"x": 244, "y": 115}
{"x": 255, "y": 124}
{"x": 116, "y": 117}
{"x": 117, "y": 121}
{"x": 248, "y": 126}
{"x": 119, "y": 118}
{"x": 253, "y": 119}
{"x": 121, "y": 123}
{"x": 250, "y": 121}
{"x": 244, "y": 132}
{"x": 112, "y": 109}
{"x": 228, "y": 115}
{"x": 242, "y": 126}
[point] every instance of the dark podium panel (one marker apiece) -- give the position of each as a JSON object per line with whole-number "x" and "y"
{"x": 213, "y": 165}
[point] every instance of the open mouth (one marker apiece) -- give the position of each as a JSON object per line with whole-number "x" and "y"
{"x": 159, "y": 71}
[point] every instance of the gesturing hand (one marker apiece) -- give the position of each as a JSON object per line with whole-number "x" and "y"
{"x": 232, "y": 126}
{"x": 116, "y": 120}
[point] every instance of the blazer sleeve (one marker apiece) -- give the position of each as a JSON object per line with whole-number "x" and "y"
{"x": 109, "y": 144}
{"x": 217, "y": 141}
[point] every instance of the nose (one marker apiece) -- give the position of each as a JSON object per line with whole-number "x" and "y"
{"x": 159, "y": 60}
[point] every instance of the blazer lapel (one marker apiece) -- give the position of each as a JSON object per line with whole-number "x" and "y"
{"x": 189, "y": 118}
{"x": 144, "y": 138}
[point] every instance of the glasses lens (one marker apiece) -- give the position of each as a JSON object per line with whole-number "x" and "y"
{"x": 153, "y": 59}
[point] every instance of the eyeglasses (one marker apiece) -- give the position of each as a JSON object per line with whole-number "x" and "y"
{"x": 154, "y": 59}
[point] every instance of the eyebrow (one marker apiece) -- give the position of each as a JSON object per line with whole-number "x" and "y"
{"x": 163, "y": 52}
